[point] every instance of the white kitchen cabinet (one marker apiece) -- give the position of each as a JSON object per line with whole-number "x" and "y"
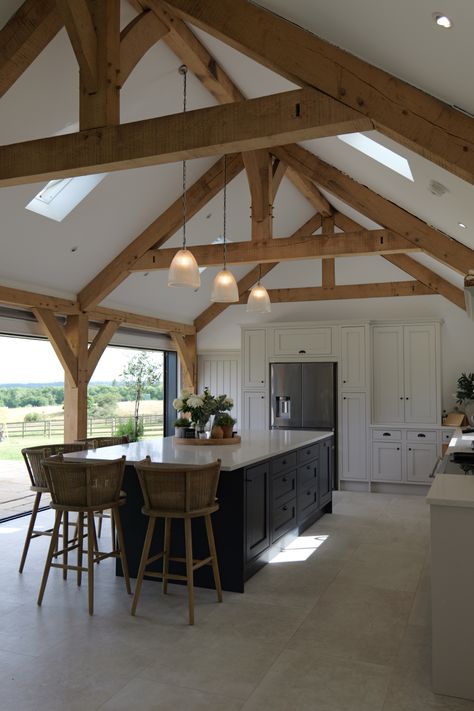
{"x": 254, "y": 358}
{"x": 353, "y": 357}
{"x": 406, "y": 374}
{"x": 254, "y": 410}
{"x": 420, "y": 459}
{"x": 387, "y": 461}
{"x": 353, "y": 436}
{"x": 318, "y": 341}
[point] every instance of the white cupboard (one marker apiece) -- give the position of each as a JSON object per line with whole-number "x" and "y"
{"x": 353, "y": 357}
{"x": 254, "y": 410}
{"x": 387, "y": 461}
{"x": 420, "y": 461}
{"x": 353, "y": 436}
{"x": 254, "y": 358}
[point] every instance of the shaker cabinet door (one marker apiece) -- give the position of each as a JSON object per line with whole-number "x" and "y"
{"x": 255, "y": 362}
{"x": 257, "y": 524}
{"x": 254, "y": 409}
{"x": 388, "y": 375}
{"x": 353, "y": 359}
{"x": 421, "y": 395}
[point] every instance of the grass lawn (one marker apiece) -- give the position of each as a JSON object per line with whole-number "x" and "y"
{"x": 11, "y": 448}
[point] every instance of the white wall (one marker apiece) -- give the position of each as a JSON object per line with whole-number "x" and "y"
{"x": 457, "y": 330}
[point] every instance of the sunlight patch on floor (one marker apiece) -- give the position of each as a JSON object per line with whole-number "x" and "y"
{"x": 299, "y": 550}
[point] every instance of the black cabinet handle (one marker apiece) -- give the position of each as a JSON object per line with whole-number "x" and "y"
{"x": 284, "y": 508}
{"x": 284, "y": 462}
{"x": 420, "y": 434}
{"x": 284, "y": 480}
{"x": 301, "y": 351}
{"x": 386, "y": 434}
{"x": 262, "y": 397}
{"x": 407, "y": 398}
{"x": 261, "y": 381}
{"x": 401, "y": 398}
{"x": 398, "y": 449}
{"x": 343, "y": 381}
{"x": 308, "y": 493}
{"x": 344, "y": 398}
{"x": 409, "y": 449}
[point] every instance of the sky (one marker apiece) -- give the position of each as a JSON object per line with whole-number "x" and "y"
{"x": 30, "y": 360}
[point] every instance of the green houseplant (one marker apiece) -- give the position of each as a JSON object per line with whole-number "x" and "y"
{"x": 180, "y": 425}
{"x": 465, "y": 395}
{"x": 226, "y": 421}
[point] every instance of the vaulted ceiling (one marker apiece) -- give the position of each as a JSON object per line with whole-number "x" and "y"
{"x": 62, "y": 258}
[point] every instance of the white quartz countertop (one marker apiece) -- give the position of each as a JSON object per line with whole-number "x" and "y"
{"x": 254, "y": 447}
{"x": 453, "y": 489}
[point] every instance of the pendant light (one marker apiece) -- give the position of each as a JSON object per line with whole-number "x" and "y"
{"x": 259, "y": 301}
{"x": 225, "y": 289}
{"x": 184, "y": 270}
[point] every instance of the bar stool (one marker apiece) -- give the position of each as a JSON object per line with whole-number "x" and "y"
{"x": 84, "y": 487}
{"x": 96, "y": 443}
{"x": 34, "y": 457}
{"x": 175, "y": 492}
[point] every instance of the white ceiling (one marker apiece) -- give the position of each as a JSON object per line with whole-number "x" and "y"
{"x": 400, "y": 37}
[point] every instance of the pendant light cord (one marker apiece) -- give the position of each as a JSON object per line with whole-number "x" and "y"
{"x": 225, "y": 212}
{"x": 184, "y": 71}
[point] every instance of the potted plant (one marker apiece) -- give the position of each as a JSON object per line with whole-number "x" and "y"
{"x": 201, "y": 407}
{"x": 226, "y": 422}
{"x": 465, "y": 395}
{"x": 180, "y": 425}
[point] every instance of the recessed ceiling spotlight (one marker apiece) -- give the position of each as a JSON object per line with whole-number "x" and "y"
{"x": 442, "y": 20}
{"x": 462, "y": 225}
{"x": 209, "y": 215}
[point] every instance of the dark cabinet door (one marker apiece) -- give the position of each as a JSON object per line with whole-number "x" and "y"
{"x": 257, "y": 523}
{"x": 326, "y": 469}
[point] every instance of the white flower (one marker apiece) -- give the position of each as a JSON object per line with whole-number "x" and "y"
{"x": 229, "y": 401}
{"x": 195, "y": 401}
{"x": 178, "y": 403}
{"x": 185, "y": 392}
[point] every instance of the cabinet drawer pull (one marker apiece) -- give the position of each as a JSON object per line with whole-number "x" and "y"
{"x": 387, "y": 434}
{"x": 284, "y": 508}
{"x": 301, "y": 351}
{"x": 420, "y": 434}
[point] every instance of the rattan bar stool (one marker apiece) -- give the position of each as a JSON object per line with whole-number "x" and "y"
{"x": 96, "y": 443}
{"x": 84, "y": 487}
{"x": 34, "y": 457}
{"x": 176, "y": 492}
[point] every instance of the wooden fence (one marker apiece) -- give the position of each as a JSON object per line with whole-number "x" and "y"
{"x": 96, "y": 427}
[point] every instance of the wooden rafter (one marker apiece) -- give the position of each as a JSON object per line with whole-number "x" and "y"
{"x": 349, "y": 291}
{"x": 256, "y": 123}
{"x": 309, "y": 190}
{"x": 386, "y": 213}
{"x": 55, "y": 333}
{"x": 328, "y": 266}
{"x": 278, "y": 173}
{"x": 258, "y": 165}
{"x": 99, "y": 344}
{"x": 145, "y": 323}
{"x": 408, "y": 115}
{"x": 286, "y": 248}
{"x": 136, "y": 38}
{"x": 30, "y": 299}
{"x": 24, "y": 37}
{"x": 158, "y": 232}
{"x": 80, "y": 28}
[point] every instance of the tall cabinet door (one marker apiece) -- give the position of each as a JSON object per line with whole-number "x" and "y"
{"x": 421, "y": 395}
{"x": 354, "y": 436}
{"x": 353, "y": 357}
{"x": 388, "y": 374}
{"x": 254, "y": 410}
{"x": 255, "y": 362}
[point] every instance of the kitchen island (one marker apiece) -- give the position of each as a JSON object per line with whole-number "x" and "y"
{"x": 272, "y": 486}
{"x": 451, "y": 500}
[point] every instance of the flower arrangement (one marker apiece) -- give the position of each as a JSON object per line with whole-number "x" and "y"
{"x": 201, "y": 407}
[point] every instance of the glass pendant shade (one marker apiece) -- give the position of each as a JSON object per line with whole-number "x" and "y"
{"x": 184, "y": 270}
{"x": 259, "y": 301}
{"x": 225, "y": 288}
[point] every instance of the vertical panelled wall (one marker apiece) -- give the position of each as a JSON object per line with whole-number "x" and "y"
{"x": 221, "y": 373}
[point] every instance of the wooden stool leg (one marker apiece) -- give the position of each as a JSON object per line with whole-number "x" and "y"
{"x": 115, "y": 516}
{"x": 65, "y": 543}
{"x": 112, "y": 531}
{"x": 189, "y": 567}
{"x": 91, "y": 542}
{"x": 213, "y": 552}
{"x": 30, "y": 530}
{"x": 166, "y": 553}
{"x": 80, "y": 545}
{"x": 52, "y": 547}
{"x": 143, "y": 560}
{"x": 99, "y": 531}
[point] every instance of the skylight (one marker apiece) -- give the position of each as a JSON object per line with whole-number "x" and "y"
{"x": 59, "y": 197}
{"x": 379, "y": 153}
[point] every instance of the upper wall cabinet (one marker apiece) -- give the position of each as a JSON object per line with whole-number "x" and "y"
{"x": 406, "y": 378}
{"x": 304, "y": 341}
{"x": 353, "y": 357}
{"x": 255, "y": 359}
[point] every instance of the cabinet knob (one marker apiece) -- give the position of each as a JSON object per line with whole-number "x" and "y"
{"x": 343, "y": 381}
{"x": 284, "y": 479}
{"x": 285, "y": 508}
{"x": 409, "y": 449}
{"x": 344, "y": 398}
{"x": 401, "y": 398}
{"x": 262, "y": 397}
{"x": 284, "y": 462}
{"x": 407, "y": 398}
{"x": 398, "y": 449}
{"x": 261, "y": 381}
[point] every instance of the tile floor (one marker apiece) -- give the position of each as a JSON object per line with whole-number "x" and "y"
{"x": 348, "y": 629}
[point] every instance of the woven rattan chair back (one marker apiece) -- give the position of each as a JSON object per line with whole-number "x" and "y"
{"x": 178, "y": 489}
{"x": 84, "y": 485}
{"x": 97, "y": 442}
{"x": 34, "y": 456}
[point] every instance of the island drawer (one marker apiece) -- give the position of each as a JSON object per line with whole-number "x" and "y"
{"x": 308, "y": 474}
{"x": 283, "y": 486}
{"x": 387, "y": 435}
{"x": 284, "y": 462}
{"x": 307, "y": 453}
{"x": 284, "y": 518}
{"x": 307, "y": 502}
{"x": 421, "y": 436}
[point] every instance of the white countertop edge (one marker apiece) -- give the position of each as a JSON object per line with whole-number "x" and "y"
{"x": 452, "y": 490}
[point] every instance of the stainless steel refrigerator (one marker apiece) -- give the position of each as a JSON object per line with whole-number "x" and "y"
{"x": 303, "y": 396}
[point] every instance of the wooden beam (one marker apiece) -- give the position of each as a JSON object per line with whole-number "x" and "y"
{"x": 328, "y": 266}
{"x": 145, "y": 323}
{"x": 429, "y": 278}
{"x": 408, "y": 115}
{"x": 348, "y": 291}
{"x": 244, "y": 284}
{"x": 249, "y": 125}
{"x": 158, "y": 232}
{"x": 24, "y": 37}
{"x": 99, "y": 344}
{"x": 258, "y": 165}
{"x": 309, "y": 190}
{"x": 75, "y": 392}
{"x": 377, "y": 208}
{"x": 30, "y": 299}
{"x": 55, "y": 333}
{"x": 286, "y": 249}
{"x": 80, "y": 28}
{"x": 136, "y": 39}
{"x": 187, "y": 357}
{"x": 278, "y": 173}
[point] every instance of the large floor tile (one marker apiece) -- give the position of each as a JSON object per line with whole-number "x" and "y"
{"x": 389, "y": 567}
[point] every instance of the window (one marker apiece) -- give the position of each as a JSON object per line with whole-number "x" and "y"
{"x": 59, "y": 197}
{"x": 380, "y": 153}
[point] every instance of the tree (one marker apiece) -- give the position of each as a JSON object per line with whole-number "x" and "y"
{"x": 139, "y": 375}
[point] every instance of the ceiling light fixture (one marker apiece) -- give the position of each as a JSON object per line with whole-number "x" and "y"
{"x": 225, "y": 289}
{"x": 442, "y": 20}
{"x": 259, "y": 300}
{"x": 462, "y": 225}
{"x": 184, "y": 270}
